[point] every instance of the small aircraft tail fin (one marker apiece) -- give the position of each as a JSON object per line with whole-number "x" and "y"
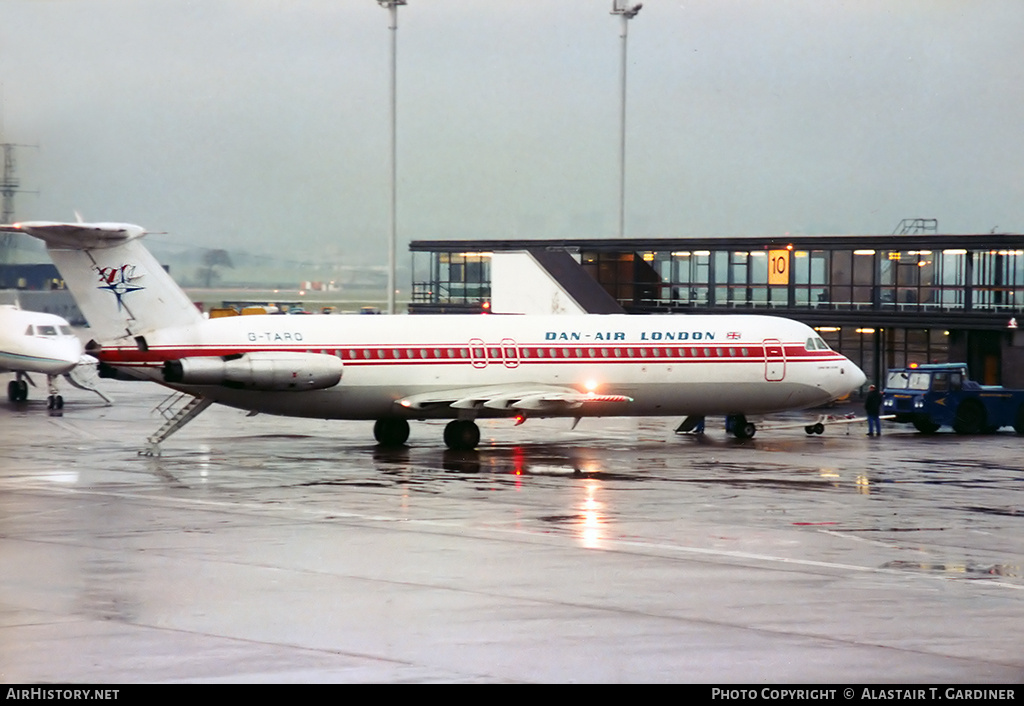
{"x": 120, "y": 287}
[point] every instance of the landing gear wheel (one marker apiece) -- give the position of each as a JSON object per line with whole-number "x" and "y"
{"x": 391, "y": 432}
{"x": 17, "y": 390}
{"x": 970, "y": 417}
{"x": 741, "y": 428}
{"x": 461, "y": 435}
{"x": 819, "y": 428}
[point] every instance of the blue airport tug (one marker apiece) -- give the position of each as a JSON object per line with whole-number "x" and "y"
{"x": 942, "y": 394}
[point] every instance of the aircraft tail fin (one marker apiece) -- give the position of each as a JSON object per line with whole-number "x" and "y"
{"x": 120, "y": 287}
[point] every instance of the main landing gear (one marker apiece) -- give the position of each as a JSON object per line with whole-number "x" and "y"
{"x": 740, "y": 427}
{"x": 17, "y": 390}
{"x": 459, "y": 435}
{"x": 391, "y": 431}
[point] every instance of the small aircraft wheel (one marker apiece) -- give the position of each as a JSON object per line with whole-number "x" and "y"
{"x": 819, "y": 428}
{"x": 58, "y": 402}
{"x": 809, "y": 429}
{"x": 51, "y": 402}
{"x": 461, "y": 435}
{"x": 391, "y": 431}
{"x": 17, "y": 390}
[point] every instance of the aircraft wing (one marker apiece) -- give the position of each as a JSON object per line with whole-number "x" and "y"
{"x": 514, "y": 398}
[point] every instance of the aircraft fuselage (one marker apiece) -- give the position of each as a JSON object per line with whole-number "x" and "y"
{"x": 666, "y": 365}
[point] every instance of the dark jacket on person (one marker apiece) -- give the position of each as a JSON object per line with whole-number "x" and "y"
{"x": 873, "y": 403}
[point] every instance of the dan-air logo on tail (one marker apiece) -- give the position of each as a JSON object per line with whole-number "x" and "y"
{"x": 118, "y": 280}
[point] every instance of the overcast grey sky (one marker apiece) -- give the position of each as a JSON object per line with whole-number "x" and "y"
{"x": 263, "y": 123}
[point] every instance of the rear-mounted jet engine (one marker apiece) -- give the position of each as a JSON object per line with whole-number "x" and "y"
{"x": 267, "y": 371}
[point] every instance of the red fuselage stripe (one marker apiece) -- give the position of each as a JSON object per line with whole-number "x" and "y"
{"x": 481, "y": 356}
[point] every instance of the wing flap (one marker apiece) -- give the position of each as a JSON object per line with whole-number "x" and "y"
{"x": 533, "y": 398}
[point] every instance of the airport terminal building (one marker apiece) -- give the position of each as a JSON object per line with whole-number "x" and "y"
{"x": 882, "y": 300}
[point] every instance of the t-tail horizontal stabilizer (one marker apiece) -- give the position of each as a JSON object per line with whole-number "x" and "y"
{"x": 120, "y": 287}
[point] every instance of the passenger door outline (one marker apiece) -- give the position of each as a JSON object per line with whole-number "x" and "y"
{"x": 774, "y": 360}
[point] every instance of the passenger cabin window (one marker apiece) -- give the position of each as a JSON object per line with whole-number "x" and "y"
{"x": 940, "y": 382}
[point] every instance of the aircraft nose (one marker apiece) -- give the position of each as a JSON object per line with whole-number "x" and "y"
{"x": 857, "y": 375}
{"x": 71, "y": 351}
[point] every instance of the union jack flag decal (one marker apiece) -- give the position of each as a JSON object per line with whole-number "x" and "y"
{"x": 733, "y": 334}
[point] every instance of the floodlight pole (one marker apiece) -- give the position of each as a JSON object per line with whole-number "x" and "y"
{"x": 626, "y": 12}
{"x": 392, "y": 7}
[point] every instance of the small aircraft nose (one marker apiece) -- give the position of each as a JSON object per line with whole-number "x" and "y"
{"x": 69, "y": 352}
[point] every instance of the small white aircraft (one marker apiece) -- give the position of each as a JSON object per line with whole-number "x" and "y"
{"x": 391, "y": 369}
{"x": 36, "y": 342}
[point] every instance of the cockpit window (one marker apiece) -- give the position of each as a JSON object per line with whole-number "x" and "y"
{"x": 46, "y": 330}
{"x": 30, "y": 331}
{"x": 816, "y": 344}
{"x": 66, "y": 331}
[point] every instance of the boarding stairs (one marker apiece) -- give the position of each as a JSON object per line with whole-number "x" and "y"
{"x": 177, "y": 410}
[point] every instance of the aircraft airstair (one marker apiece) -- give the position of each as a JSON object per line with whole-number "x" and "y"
{"x": 178, "y": 410}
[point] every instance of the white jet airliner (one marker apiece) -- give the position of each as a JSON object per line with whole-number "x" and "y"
{"x": 36, "y": 342}
{"x": 395, "y": 368}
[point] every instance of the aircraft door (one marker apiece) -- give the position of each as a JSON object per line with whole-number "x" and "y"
{"x": 510, "y": 352}
{"x": 774, "y": 360}
{"x": 477, "y": 353}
